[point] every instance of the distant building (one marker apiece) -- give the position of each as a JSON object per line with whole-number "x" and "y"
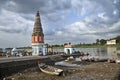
{"x": 111, "y": 42}
{"x": 1, "y": 52}
{"x": 25, "y": 49}
{"x": 50, "y": 49}
{"x": 69, "y": 49}
{"x": 14, "y": 51}
{"x": 38, "y": 47}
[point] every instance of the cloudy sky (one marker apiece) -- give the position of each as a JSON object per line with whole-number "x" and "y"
{"x": 75, "y": 21}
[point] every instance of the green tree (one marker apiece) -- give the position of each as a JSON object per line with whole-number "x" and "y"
{"x": 102, "y": 41}
{"x": 97, "y": 41}
{"x": 118, "y": 39}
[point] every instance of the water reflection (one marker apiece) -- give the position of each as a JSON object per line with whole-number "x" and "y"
{"x": 111, "y": 51}
{"x": 107, "y": 52}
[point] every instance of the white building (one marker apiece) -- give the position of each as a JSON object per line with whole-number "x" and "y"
{"x": 14, "y": 52}
{"x": 111, "y": 42}
{"x": 69, "y": 49}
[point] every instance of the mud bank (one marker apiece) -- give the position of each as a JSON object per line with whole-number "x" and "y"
{"x": 88, "y": 71}
{"x": 14, "y": 67}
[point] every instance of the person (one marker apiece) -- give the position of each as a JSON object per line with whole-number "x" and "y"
{"x": 38, "y": 61}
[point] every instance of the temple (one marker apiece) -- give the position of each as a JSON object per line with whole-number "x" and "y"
{"x": 38, "y": 47}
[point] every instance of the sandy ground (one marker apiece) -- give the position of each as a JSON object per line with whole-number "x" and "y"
{"x": 89, "y": 71}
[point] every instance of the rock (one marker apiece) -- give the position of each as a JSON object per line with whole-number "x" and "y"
{"x": 8, "y": 78}
{"x": 74, "y": 70}
{"x": 4, "y": 78}
{"x": 101, "y": 75}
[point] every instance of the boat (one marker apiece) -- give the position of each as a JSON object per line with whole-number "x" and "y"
{"x": 117, "y": 61}
{"x": 71, "y": 58}
{"x": 49, "y": 69}
{"x": 112, "y": 60}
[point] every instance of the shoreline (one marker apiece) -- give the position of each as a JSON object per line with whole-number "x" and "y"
{"x": 91, "y": 46}
{"x": 89, "y": 71}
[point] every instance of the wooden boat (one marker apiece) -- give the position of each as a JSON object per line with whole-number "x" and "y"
{"x": 49, "y": 69}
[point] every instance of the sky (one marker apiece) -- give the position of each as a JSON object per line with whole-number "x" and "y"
{"x": 75, "y": 21}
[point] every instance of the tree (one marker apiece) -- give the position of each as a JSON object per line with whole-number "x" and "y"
{"x": 102, "y": 42}
{"x": 97, "y": 41}
{"x": 118, "y": 39}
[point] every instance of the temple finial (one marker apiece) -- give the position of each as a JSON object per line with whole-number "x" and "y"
{"x": 37, "y": 13}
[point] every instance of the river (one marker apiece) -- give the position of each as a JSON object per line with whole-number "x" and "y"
{"x": 107, "y": 52}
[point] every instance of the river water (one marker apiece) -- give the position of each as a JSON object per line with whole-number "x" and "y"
{"x": 107, "y": 52}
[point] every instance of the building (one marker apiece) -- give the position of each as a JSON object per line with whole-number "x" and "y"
{"x": 38, "y": 47}
{"x": 14, "y": 52}
{"x": 111, "y": 42}
{"x": 69, "y": 49}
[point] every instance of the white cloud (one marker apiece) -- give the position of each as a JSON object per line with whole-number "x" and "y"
{"x": 95, "y": 19}
{"x": 102, "y": 16}
{"x": 15, "y": 30}
{"x": 12, "y": 22}
{"x": 115, "y": 2}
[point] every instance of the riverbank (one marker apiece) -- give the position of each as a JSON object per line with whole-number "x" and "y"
{"x": 88, "y": 71}
{"x": 90, "y": 46}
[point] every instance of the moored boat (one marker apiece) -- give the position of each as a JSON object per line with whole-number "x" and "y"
{"x": 112, "y": 60}
{"x": 49, "y": 69}
{"x": 117, "y": 61}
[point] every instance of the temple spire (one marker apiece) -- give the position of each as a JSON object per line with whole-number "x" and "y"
{"x": 37, "y": 24}
{"x": 37, "y": 13}
{"x": 38, "y": 37}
